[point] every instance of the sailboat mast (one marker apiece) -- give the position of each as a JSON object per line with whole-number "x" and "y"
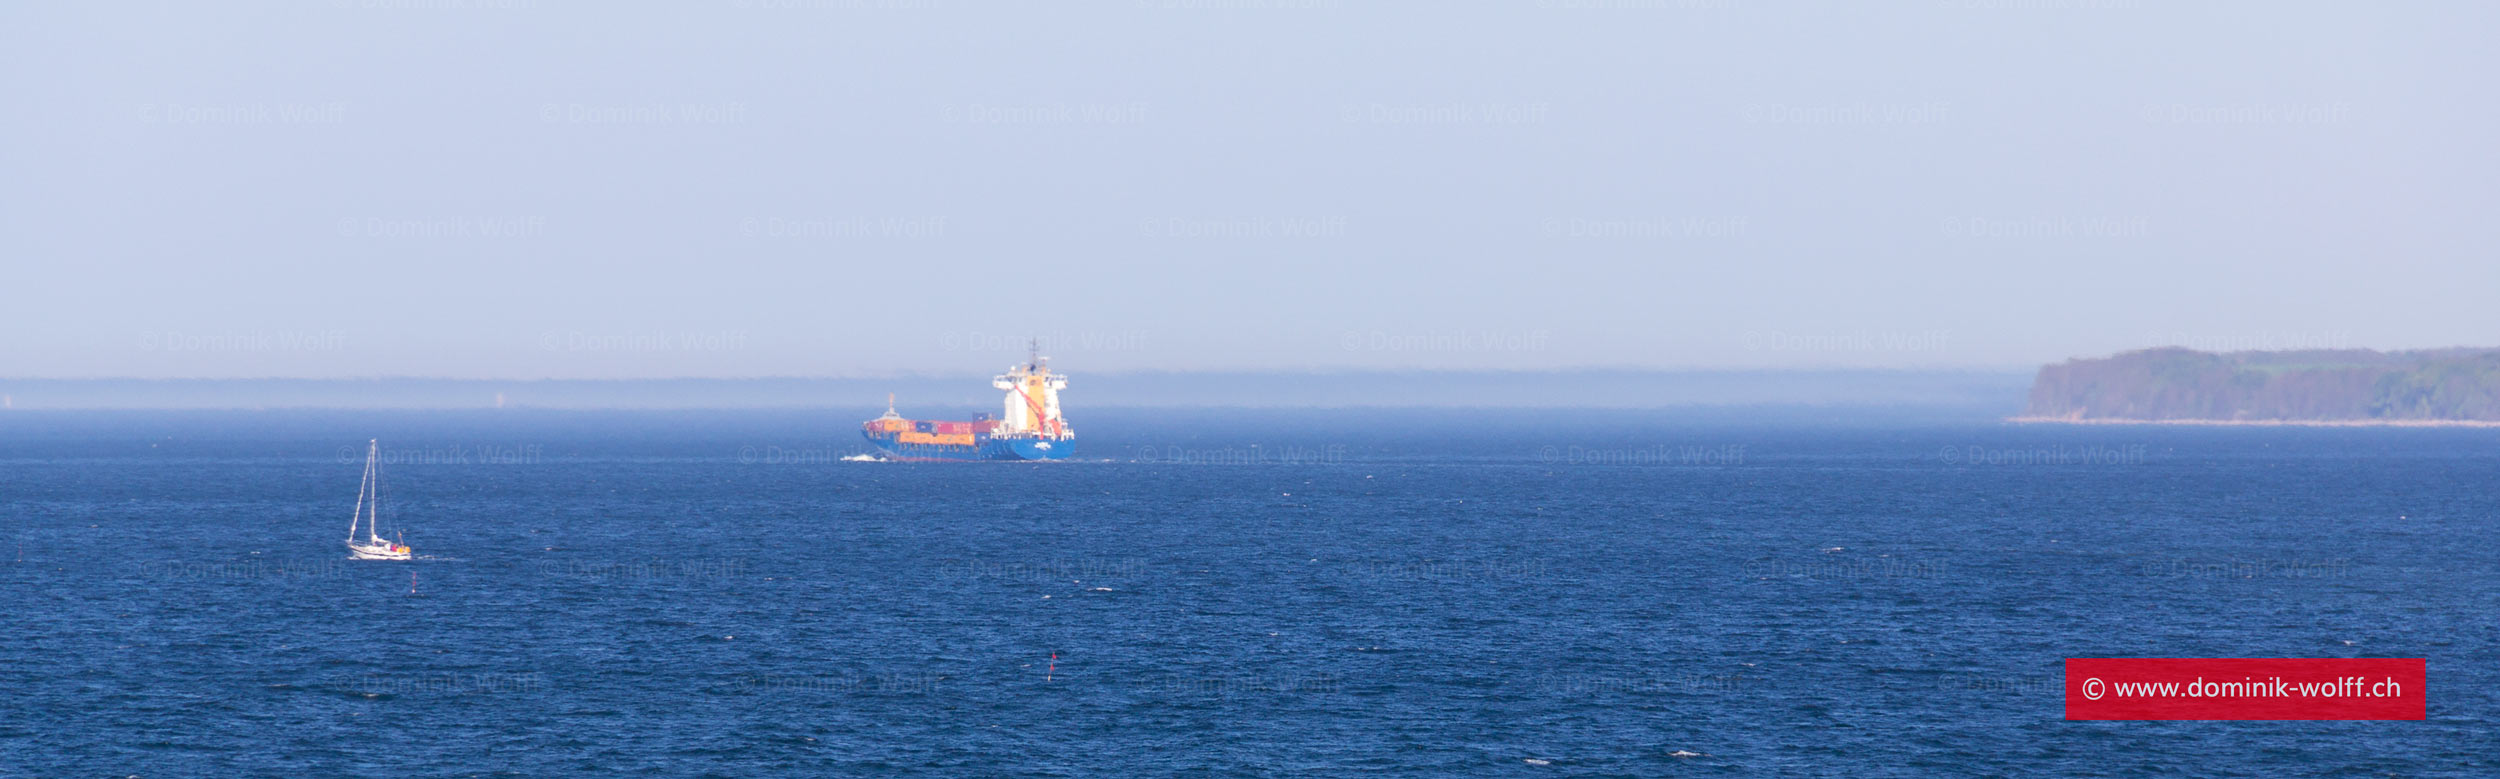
{"x": 361, "y": 483}
{"x": 373, "y": 531}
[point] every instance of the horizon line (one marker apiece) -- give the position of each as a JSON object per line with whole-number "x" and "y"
{"x": 908, "y": 376}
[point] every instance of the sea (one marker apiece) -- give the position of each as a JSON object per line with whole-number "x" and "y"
{"x": 1220, "y": 592}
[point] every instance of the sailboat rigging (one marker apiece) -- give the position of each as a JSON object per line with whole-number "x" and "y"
{"x": 369, "y": 514}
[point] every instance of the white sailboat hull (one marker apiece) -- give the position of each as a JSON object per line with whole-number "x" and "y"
{"x": 374, "y": 552}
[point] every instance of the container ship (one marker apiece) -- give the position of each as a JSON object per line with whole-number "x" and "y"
{"x": 1029, "y": 426}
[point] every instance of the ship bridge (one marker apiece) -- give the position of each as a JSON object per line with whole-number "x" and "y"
{"x": 1031, "y": 407}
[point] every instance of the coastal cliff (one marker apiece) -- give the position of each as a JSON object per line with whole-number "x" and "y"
{"x": 2325, "y": 386}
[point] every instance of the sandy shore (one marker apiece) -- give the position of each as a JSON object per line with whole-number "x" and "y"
{"x": 2263, "y": 422}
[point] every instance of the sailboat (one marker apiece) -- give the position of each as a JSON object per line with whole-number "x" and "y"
{"x": 369, "y": 514}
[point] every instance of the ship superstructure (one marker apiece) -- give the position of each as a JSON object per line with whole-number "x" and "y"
{"x": 1028, "y": 427}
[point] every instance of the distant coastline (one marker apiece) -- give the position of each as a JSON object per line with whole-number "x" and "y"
{"x": 2317, "y": 387}
{"x": 2030, "y": 420}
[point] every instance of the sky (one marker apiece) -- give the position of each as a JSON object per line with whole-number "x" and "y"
{"x": 546, "y": 189}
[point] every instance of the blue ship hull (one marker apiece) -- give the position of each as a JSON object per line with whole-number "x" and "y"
{"x": 981, "y": 448}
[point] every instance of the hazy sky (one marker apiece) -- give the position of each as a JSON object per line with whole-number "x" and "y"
{"x": 843, "y": 187}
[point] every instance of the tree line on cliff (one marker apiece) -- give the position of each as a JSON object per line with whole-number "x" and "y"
{"x": 2309, "y": 385}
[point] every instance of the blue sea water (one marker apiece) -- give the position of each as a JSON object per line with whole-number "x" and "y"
{"x": 1220, "y": 593}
